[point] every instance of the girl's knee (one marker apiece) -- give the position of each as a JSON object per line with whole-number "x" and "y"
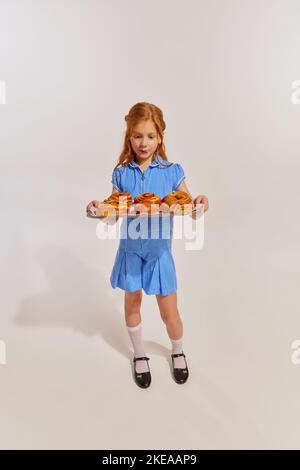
{"x": 171, "y": 318}
{"x": 133, "y": 298}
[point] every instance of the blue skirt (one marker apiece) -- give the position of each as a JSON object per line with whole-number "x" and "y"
{"x": 144, "y": 258}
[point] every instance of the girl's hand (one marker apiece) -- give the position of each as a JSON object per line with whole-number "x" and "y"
{"x": 92, "y": 204}
{"x": 109, "y": 220}
{"x": 201, "y": 200}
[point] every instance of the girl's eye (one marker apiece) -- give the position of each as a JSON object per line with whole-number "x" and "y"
{"x": 138, "y": 136}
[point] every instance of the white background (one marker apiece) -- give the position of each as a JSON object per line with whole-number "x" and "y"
{"x": 222, "y": 73}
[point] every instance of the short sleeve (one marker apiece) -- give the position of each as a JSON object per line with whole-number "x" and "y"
{"x": 178, "y": 175}
{"x": 116, "y": 179}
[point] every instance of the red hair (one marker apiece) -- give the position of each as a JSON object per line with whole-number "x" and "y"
{"x": 142, "y": 112}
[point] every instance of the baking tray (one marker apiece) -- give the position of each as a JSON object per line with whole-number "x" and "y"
{"x": 94, "y": 213}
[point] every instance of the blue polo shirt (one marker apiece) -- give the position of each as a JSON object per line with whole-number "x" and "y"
{"x": 161, "y": 177}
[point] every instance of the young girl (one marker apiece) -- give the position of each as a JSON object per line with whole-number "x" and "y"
{"x": 146, "y": 263}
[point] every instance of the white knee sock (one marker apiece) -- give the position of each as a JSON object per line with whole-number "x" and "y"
{"x": 135, "y": 333}
{"x": 179, "y": 362}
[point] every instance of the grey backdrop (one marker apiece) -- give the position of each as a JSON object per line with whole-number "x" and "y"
{"x": 222, "y": 72}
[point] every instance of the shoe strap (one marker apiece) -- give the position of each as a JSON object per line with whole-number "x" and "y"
{"x": 141, "y": 359}
{"x": 178, "y": 355}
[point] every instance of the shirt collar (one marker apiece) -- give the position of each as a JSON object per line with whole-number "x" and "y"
{"x": 155, "y": 162}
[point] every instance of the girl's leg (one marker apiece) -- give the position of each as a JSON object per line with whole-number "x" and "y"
{"x": 132, "y": 307}
{"x": 170, "y": 316}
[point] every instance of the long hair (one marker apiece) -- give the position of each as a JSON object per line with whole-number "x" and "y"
{"x": 140, "y": 112}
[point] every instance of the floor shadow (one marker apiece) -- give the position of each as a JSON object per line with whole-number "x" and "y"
{"x": 78, "y": 297}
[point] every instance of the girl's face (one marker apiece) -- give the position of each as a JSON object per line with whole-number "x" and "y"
{"x": 144, "y": 139}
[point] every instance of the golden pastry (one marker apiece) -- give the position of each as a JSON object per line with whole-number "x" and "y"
{"x": 147, "y": 203}
{"x": 116, "y": 204}
{"x": 177, "y": 202}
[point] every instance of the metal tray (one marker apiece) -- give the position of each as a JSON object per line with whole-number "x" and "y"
{"x": 94, "y": 213}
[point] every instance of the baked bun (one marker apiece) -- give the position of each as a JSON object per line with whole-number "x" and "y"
{"x": 147, "y": 203}
{"x": 177, "y": 202}
{"x": 116, "y": 204}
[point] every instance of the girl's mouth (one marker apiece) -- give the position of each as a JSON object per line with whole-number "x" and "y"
{"x": 143, "y": 151}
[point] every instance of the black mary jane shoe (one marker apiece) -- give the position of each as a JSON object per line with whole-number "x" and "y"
{"x": 180, "y": 375}
{"x": 142, "y": 379}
